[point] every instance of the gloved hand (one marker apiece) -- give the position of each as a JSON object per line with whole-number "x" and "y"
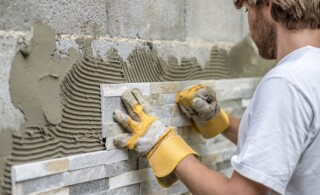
{"x": 163, "y": 148}
{"x": 200, "y": 104}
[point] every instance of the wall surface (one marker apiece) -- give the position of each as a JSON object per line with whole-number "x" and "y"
{"x": 55, "y": 54}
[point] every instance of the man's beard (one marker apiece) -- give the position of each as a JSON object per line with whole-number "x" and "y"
{"x": 265, "y": 36}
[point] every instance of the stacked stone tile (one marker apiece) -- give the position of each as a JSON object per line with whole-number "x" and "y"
{"x": 119, "y": 171}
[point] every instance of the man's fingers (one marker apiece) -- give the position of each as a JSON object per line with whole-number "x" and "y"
{"x": 122, "y": 118}
{"x": 121, "y": 140}
{"x": 129, "y": 101}
{"x": 145, "y": 105}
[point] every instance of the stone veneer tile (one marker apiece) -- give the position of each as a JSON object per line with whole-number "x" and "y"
{"x": 130, "y": 178}
{"x": 84, "y": 175}
{"x": 121, "y": 167}
{"x": 112, "y": 130}
{"x": 144, "y": 87}
{"x": 39, "y": 169}
{"x": 39, "y": 184}
{"x": 164, "y": 87}
{"x": 110, "y": 90}
{"x": 59, "y": 191}
{"x": 97, "y": 158}
{"x": 90, "y": 187}
{"x": 127, "y": 190}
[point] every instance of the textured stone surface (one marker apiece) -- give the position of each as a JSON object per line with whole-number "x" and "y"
{"x": 90, "y": 187}
{"x": 60, "y": 191}
{"x": 39, "y": 169}
{"x": 130, "y": 178}
{"x": 97, "y": 158}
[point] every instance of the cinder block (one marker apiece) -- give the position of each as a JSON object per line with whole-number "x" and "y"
{"x": 80, "y": 17}
{"x": 130, "y": 178}
{"x": 39, "y": 169}
{"x": 167, "y": 20}
{"x": 100, "y": 186}
{"x": 213, "y": 21}
{"x": 127, "y": 18}
{"x": 97, "y": 158}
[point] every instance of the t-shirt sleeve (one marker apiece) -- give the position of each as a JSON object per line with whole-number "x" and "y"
{"x": 279, "y": 120}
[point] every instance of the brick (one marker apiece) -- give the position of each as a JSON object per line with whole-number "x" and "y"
{"x": 167, "y": 20}
{"x": 164, "y": 87}
{"x": 130, "y": 178}
{"x": 90, "y": 187}
{"x": 97, "y": 158}
{"x": 84, "y": 175}
{"x": 39, "y": 169}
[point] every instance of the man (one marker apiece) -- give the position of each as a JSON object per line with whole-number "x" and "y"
{"x": 278, "y": 137}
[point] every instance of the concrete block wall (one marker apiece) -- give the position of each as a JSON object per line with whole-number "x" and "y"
{"x": 50, "y": 38}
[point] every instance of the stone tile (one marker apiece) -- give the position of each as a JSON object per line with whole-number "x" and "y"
{"x": 39, "y": 169}
{"x": 178, "y": 188}
{"x": 97, "y": 158}
{"x": 127, "y": 190}
{"x": 59, "y": 191}
{"x": 164, "y": 111}
{"x": 121, "y": 167}
{"x": 130, "y": 178}
{"x": 111, "y": 90}
{"x": 167, "y": 121}
{"x": 109, "y": 105}
{"x": 164, "y": 87}
{"x": 112, "y": 130}
{"x": 180, "y": 121}
{"x": 39, "y": 184}
{"x": 245, "y": 102}
{"x": 152, "y": 187}
{"x": 234, "y": 89}
{"x": 90, "y": 187}
{"x": 144, "y": 87}
{"x": 169, "y": 98}
{"x": 187, "y": 84}
{"x": 84, "y": 175}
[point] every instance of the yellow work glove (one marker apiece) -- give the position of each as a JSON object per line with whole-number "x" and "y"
{"x": 163, "y": 148}
{"x": 200, "y": 104}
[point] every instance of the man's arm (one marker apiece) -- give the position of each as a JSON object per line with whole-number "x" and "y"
{"x": 201, "y": 180}
{"x": 232, "y": 131}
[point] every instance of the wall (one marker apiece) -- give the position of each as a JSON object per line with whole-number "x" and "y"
{"x": 55, "y": 54}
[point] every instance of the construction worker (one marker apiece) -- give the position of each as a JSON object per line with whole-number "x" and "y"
{"x": 278, "y": 137}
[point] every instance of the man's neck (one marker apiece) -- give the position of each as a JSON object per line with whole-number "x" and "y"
{"x": 290, "y": 40}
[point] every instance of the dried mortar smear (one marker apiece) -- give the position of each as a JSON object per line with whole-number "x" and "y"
{"x": 60, "y": 98}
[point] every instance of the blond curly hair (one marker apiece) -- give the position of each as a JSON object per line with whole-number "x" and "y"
{"x": 293, "y": 14}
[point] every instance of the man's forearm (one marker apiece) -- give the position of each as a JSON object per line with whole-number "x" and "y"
{"x": 201, "y": 180}
{"x": 232, "y": 132}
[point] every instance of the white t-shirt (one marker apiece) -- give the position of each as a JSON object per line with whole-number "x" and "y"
{"x": 278, "y": 138}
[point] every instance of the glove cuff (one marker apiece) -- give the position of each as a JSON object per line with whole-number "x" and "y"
{"x": 166, "y": 155}
{"x": 214, "y": 126}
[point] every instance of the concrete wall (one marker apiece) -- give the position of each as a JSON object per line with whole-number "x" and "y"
{"x": 123, "y": 33}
